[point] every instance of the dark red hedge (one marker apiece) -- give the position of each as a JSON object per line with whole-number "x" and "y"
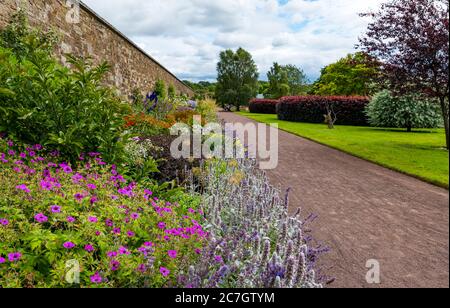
{"x": 311, "y": 109}
{"x": 265, "y": 106}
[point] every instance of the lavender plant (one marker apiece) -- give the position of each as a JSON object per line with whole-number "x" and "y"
{"x": 253, "y": 243}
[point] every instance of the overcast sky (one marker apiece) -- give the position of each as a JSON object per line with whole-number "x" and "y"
{"x": 186, "y": 36}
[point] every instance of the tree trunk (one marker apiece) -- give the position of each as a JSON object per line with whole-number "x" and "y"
{"x": 444, "y": 108}
{"x": 409, "y": 129}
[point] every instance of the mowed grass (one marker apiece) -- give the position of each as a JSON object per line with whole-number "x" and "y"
{"x": 421, "y": 153}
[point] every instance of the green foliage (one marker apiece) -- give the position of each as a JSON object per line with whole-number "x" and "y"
{"x": 64, "y": 109}
{"x": 161, "y": 89}
{"x": 237, "y": 78}
{"x": 412, "y": 111}
{"x": 207, "y": 108}
{"x": 139, "y": 161}
{"x": 297, "y": 80}
{"x": 349, "y": 76}
{"x": 203, "y": 89}
{"x": 23, "y": 40}
{"x": 278, "y": 82}
{"x": 284, "y": 80}
{"x": 172, "y": 92}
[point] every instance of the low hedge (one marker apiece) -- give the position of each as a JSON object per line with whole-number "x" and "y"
{"x": 311, "y": 109}
{"x": 265, "y": 106}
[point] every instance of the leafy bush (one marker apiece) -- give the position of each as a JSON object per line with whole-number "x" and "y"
{"x": 253, "y": 242}
{"x": 265, "y": 106}
{"x": 23, "y": 40}
{"x": 172, "y": 92}
{"x": 350, "y": 110}
{"x": 139, "y": 158}
{"x": 65, "y": 110}
{"x": 121, "y": 234}
{"x": 207, "y": 108}
{"x": 161, "y": 89}
{"x": 408, "y": 112}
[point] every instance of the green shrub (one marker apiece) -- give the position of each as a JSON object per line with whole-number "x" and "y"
{"x": 172, "y": 92}
{"x": 120, "y": 234}
{"x": 24, "y": 40}
{"x": 161, "y": 89}
{"x": 408, "y": 112}
{"x": 207, "y": 108}
{"x": 64, "y": 109}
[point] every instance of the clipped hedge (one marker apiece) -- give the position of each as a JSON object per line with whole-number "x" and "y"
{"x": 265, "y": 106}
{"x": 311, "y": 109}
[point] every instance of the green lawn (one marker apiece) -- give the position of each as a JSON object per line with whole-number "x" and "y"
{"x": 420, "y": 153}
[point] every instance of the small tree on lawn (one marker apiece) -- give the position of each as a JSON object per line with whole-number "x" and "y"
{"x": 411, "y": 40}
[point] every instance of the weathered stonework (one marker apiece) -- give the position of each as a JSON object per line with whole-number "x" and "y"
{"x": 84, "y": 33}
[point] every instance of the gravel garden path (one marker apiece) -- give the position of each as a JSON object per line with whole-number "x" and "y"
{"x": 366, "y": 212}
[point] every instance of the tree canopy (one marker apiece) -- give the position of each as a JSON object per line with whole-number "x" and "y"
{"x": 352, "y": 75}
{"x": 237, "y": 80}
{"x": 410, "y": 39}
{"x": 285, "y": 80}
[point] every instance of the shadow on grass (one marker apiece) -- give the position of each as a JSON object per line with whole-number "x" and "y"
{"x": 399, "y": 130}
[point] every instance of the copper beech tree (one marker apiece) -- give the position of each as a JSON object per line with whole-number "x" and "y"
{"x": 410, "y": 38}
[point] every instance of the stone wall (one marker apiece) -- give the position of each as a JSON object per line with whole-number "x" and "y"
{"x": 85, "y": 33}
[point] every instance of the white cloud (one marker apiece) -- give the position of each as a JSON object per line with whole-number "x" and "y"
{"x": 187, "y": 36}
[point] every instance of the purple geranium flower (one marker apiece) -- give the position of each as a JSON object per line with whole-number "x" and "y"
{"x": 124, "y": 251}
{"x": 164, "y": 271}
{"x": 93, "y": 219}
{"x": 114, "y": 265}
{"x": 70, "y": 219}
{"x": 112, "y": 254}
{"x": 4, "y": 222}
{"x": 89, "y": 248}
{"x": 14, "y": 257}
{"x": 109, "y": 223}
{"x": 69, "y": 245}
{"x": 45, "y": 185}
{"x": 2, "y": 260}
{"x": 92, "y": 186}
{"x": 79, "y": 196}
{"x": 96, "y": 278}
{"x": 172, "y": 254}
{"x": 24, "y": 188}
{"x": 142, "y": 268}
{"x": 55, "y": 209}
{"x": 66, "y": 168}
{"x": 41, "y": 218}
{"x": 161, "y": 225}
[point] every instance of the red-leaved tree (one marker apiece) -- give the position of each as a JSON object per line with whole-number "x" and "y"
{"x": 411, "y": 40}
